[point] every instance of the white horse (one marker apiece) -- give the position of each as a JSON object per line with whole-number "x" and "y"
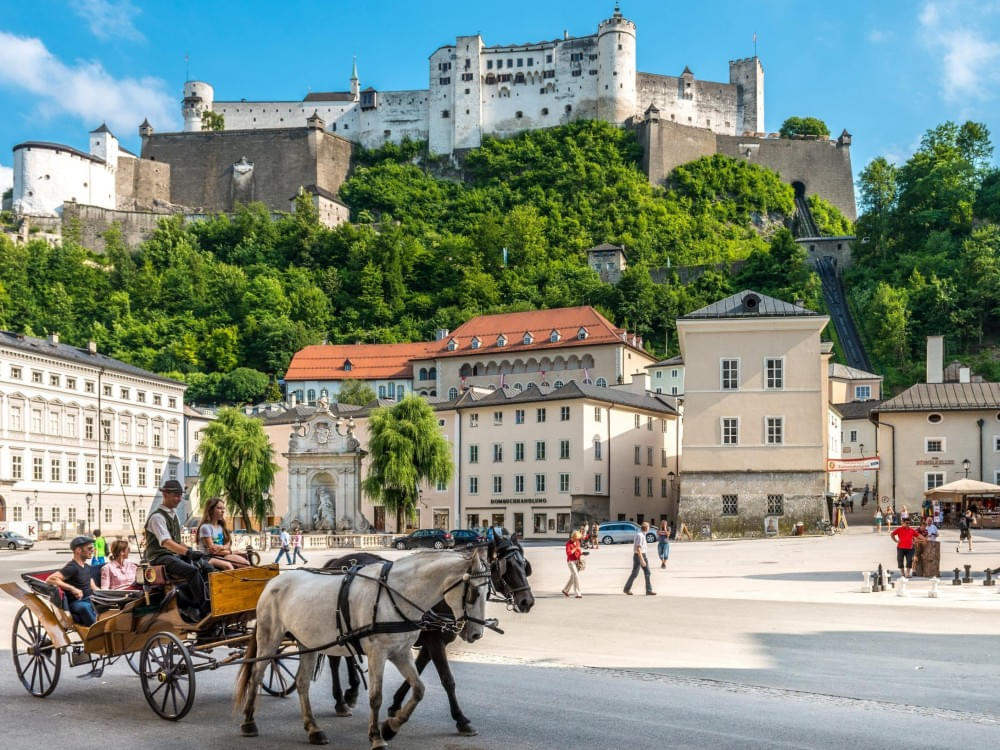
{"x": 305, "y": 605}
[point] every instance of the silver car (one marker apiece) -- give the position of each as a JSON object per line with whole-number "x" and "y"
{"x": 13, "y": 540}
{"x": 621, "y": 532}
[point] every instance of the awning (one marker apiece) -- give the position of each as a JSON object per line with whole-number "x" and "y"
{"x": 961, "y": 489}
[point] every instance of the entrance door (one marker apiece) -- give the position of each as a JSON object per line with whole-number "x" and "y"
{"x": 379, "y": 518}
{"x": 473, "y": 520}
{"x": 519, "y": 524}
{"x": 441, "y": 517}
{"x": 498, "y": 519}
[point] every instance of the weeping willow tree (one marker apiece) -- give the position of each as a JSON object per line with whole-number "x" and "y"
{"x": 236, "y": 462}
{"x": 406, "y": 448}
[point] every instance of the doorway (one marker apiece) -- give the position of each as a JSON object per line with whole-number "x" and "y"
{"x": 441, "y": 519}
{"x": 379, "y": 518}
{"x": 519, "y": 524}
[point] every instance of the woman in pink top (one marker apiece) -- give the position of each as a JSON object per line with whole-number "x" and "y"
{"x": 118, "y": 572}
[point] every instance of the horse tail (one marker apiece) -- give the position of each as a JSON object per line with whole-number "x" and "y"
{"x": 241, "y": 693}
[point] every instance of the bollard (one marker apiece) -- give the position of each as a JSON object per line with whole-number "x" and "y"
{"x": 968, "y": 574}
{"x": 901, "y": 588}
{"x": 957, "y": 581}
{"x": 882, "y": 582}
{"x": 889, "y": 582}
{"x": 874, "y": 578}
{"x": 989, "y": 578}
{"x": 866, "y": 586}
{"x": 933, "y": 593}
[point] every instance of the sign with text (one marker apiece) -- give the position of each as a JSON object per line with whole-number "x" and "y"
{"x": 853, "y": 464}
{"x": 517, "y": 500}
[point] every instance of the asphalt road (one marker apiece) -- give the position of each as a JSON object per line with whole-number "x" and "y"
{"x": 757, "y": 644}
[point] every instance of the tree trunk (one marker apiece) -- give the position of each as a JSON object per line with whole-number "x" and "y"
{"x": 399, "y": 520}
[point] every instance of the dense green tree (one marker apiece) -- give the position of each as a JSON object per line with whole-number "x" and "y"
{"x": 803, "y": 126}
{"x": 214, "y": 121}
{"x": 355, "y": 392}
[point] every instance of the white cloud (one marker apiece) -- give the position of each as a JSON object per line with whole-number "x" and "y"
{"x": 84, "y": 89}
{"x": 6, "y": 177}
{"x": 108, "y": 19}
{"x": 969, "y": 61}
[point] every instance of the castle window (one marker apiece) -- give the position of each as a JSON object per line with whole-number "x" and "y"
{"x": 501, "y": 340}
{"x": 545, "y": 110}
{"x": 444, "y": 114}
{"x": 548, "y": 58}
{"x": 569, "y": 108}
{"x": 452, "y": 345}
{"x": 619, "y": 46}
{"x": 489, "y": 65}
{"x": 554, "y": 336}
{"x": 519, "y": 114}
{"x": 577, "y": 73}
{"x": 519, "y": 78}
{"x": 531, "y": 61}
{"x": 510, "y": 62}
{"x": 592, "y": 72}
{"x": 386, "y": 133}
{"x": 444, "y": 81}
{"x": 520, "y": 62}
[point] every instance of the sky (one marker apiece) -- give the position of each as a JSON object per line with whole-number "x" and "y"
{"x": 886, "y": 71}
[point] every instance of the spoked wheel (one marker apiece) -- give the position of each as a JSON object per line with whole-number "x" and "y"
{"x": 132, "y": 659}
{"x": 280, "y": 673}
{"x": 36, "y": 660}
{"x": 167, "y": 675}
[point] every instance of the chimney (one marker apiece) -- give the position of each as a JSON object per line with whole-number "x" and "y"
{"x": 935, "y": 359}
{"x": 54, "y": 338}
{"x": 92, "y": 347}
{"x": 292, "y": 399}
{"x": 640, "y": 383}
{"x": 442, "y": 334}
{"x": 964, "y": 375}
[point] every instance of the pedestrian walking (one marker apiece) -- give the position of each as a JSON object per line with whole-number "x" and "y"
{"x": 297, "y": 547}
{"x": 878, "y": 521}
{"x": 904, "y": 516}
{"x": 965, "y": 524}
{"x": 574, "y": 561}
{"x": 904, "y": 536}
{"x": 595, "y": 535}
{"x": 640, "y": 560}
{"x": 286, "y": 543}
{"x": 663, "y": 543}
{"x": 865, "y": 496}
{"x": 100, "y": 549}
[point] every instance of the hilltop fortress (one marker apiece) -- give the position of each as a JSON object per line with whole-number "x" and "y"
{"x": 270, "y": 151}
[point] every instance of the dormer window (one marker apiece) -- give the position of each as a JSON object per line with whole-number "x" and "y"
{"x": 348, "y": 366}
{"x": 452, "y": 345}
{"x": 501, "y": 340}
{"x": 528, "y": 338}
{"x": 582, "y": 333}
{"x": 475, "y": 342}
{"x": 554, "y": 336}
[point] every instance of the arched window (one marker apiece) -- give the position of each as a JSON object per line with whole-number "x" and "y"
{"x": 400, "y": 391}
{"x": 432, "y": 373}
{"x": 452, "y": 394}
{"x": 423, "y": 373}
{"x": 381, "y": 391}
{"x": 559, "y": 384}
{"x": 299, "y": 396}
{"x": 518, "y": 387}
{"x": 312, "y": 396}
{"x": 348, "y": 366}
{"x": 602, "y": 383}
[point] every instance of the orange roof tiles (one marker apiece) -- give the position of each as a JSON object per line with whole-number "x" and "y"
{"x": 367, "y": 361}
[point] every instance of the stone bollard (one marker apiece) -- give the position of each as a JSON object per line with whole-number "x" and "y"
{"x": 866, "y": 587}
{"x": 882, "y": 581}
{"x": 890, "y": 582}
{"x": 968, "y": 574}
{"x": 989, "y": 578}
{"x": 957, "y": 581}
{"x": 933, "y": 593}
{"x": 901, "y": 588}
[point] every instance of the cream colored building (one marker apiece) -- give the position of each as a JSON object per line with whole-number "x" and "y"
{"x": 855, "y": 393}
{"x": 756, "y": 416}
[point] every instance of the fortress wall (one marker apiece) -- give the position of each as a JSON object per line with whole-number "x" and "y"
{"x": 666, "y": 145}
{"x": 202, "y": 173}
{"x": 139, "y": 183}
{"x": 824, "y": 167}
{"x": 91, "y": 222}
{"x": 402, "y": 113}
{"x": 714, "y": 105}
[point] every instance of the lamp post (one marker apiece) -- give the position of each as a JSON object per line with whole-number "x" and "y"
{"x": 966, "y": 464}
{"x": 28, "y": 501}
{"x": 90, "y": 499}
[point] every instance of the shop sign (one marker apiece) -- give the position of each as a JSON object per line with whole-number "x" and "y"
{"x": 853, "y": 464}
{"x": 935, "y": 461}
{"x": 517, "y": 500}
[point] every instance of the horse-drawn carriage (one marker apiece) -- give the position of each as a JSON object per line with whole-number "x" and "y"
{"x": 143, "y": 625}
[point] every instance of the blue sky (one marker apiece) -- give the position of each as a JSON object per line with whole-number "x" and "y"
{"x": 885, "y": 70}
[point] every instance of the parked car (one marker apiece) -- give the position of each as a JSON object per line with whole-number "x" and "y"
{"x": 467, "y": 536}
{"x": 436, "y": 538}
{"x": 623, "y": 532}
{"x": 13, "y": 540}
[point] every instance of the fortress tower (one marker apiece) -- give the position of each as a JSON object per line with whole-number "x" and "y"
{"x": 616, "y": 98}
{"x": 198, "y": 97}
{"x": 748, "y": 77}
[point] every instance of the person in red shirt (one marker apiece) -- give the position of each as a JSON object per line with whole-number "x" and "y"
{"x": 573, "y": 553}
{"x": 904, "y": 536}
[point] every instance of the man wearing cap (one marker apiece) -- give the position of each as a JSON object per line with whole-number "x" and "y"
{"x": 75, "y": 579}
{"x": 164, "y": 547}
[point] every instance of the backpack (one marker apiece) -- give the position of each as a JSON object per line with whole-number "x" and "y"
{"x": 963, "y": 523}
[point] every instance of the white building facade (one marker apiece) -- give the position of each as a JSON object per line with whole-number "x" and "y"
{"x": 84, "y": 438}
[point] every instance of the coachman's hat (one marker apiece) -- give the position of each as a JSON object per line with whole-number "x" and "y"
{"x": 172, "y": 485}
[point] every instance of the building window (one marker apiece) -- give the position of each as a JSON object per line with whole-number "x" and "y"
{"x": 140, "y": 475}
{"x": 124, "y": 393}
{"x": 597, "y": 413}
{"x": 54, "y": 380}
{"x": 862, "y": 392}
{"x": 157, "y": 399}
{"x": 498, "y": 417}
{"x": 71, "y": 425}
{"x": 774, "y": 368}
{"x": 36, "y": 420}
{"x": 775, "y": 505}
{"x": 637, "y": 486}
{"x": 730, "y": 374}
{"x": 106, "y": 430}
{"x": 519, "y": 416}
{"x": 934, "y": 445}
{"x": 649, "y": 423}
{"x": 649, "y": 455}
{"x": 106, "y": 390}
{"x": 597, "y": 482}
{"x": 91, "y": 473}
{"x": 55, "y": 470}
{"x": 36, "y": 377}
{"x": 601, "y": 382}
{"x": 172, "y": 402}
{"x": 638, "y": 421}
{"x": 519, "y": 483}
{"x": 38, "y": 513}
{"x": 564, "y": 482}
{"x": 473, "y": 454}
{"x": 663, "y": 458}
{"x": 854, "y": 436}
{"x": 37, "y": 469}
{"x": 108, "y": 475}
{"x": 933, "y": 479}
{"x": 140, "y": 396}
{"x": 540, "y": 415}
{"x": 935, "y": 418}
{"x": 16, "y": 513}
{"x": 107, "y": 516}
{"x": 518, "y": 451}
{"x": 663, "y": 487}
{"x": 498, "y": 453}
{"x": 541, "y": 519}
{"x": 597, "y": 449}
{"x": 15, "y": 373}
{"x": 637, "y": 455}
{"x": 126, "y": 475}
{"x": 452, "y": 393}
{"x": 563, "y": 413}
{"x": 157, "y": 436}
{"x": 539, "y": 483}
{"x": 730, "y": 430}
{"x": 539, "y": 450}
{"x": 564, "y": 449}
{"x": 730, "y": 505}
{"x": 649, "y": 487}
{"x": 55, "y": 514}
{"x": 774, "y": 430}
{"x": 53, "y": 423}
{"x": 88, "y": 428}
{"x": 473, "y": 420}
{"x": 16, "y": 421}
{"x": 16, "y": 467}
{"x": 123, "y": 431}
{"x": 473, "y": 485}
{"x": 497, "y": 484}
{"x": 88, "y": 386}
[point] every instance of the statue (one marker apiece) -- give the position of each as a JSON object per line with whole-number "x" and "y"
{"x": 324, "y": 516}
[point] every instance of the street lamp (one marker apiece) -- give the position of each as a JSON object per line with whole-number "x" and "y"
{"x": 966, "y": 464}
{"x": 861, "y": 447}
{"x": 90, "y": 499}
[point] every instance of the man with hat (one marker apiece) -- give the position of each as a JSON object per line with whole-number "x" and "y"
{"x": 75, "y": 579}
{"x": 164, "y": 547}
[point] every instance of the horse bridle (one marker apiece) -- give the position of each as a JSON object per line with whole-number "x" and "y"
{"x": 504, "y": 594}
{"x": 470, "y": 595}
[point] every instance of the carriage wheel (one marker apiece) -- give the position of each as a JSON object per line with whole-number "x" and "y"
{"x": 279, "y": 674}
{"x": 36, "y": 660}
{"x": 132, "y": 659}
{"x": 167, "y": 676}
{"x": 252, "y": 557}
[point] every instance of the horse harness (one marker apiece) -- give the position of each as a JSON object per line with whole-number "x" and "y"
{"x": 511, "y": 551}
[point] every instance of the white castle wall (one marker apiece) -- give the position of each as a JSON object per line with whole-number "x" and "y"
{"x": 46, "y": 175}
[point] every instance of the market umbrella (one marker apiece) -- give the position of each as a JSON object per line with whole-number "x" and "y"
{"x": 962, "y": 488}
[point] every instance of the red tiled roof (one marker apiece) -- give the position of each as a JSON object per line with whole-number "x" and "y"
{"x": 368, "y": 361}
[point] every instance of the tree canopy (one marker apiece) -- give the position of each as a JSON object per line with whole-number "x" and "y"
{"x": 804, "y": 126}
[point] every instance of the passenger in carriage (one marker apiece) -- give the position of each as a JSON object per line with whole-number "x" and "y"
{"x": 215, "y": 538}
{"x": 75, "y": 579}
{"x": 119, "y": 572}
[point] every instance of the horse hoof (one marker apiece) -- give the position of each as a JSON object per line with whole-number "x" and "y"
{"x": 249, "y": 729}
{"x": 387, "y": 732}
{"x": 318, "y": 738}
{"x": 468, "y": 730}
{"x": 342, "y": 711}
{"x": 352, "y": 698}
